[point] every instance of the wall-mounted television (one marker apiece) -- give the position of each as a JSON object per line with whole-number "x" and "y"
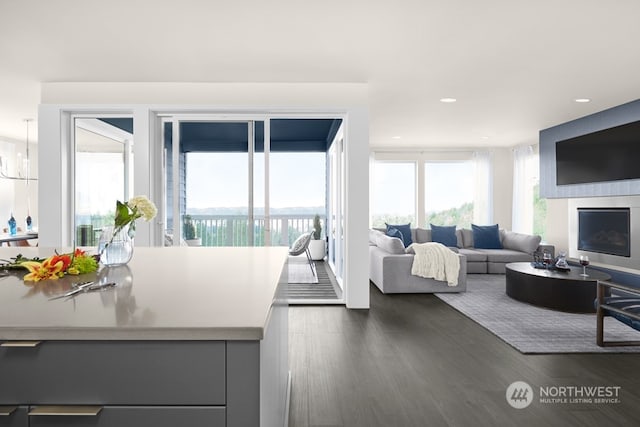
{"x": 607, "y": 155}
{"x": 605, "y": 230}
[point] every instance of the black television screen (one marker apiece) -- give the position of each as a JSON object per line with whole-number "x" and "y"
{"x": 607, "y": 155}
{"x": 604, "y": 230}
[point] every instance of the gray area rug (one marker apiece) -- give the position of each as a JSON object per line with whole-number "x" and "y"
{"x": 299, "y": 270}
{"x": 325, "y": 287}
{"x": 531, "y": 329}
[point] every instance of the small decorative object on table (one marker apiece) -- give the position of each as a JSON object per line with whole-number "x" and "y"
{"x": 13, "y": 229}
{"x": 561, "y": 262}
{"x": 584, "y": 261}
{"x": 116, "y": 242}
{"x": 543, "y": 260}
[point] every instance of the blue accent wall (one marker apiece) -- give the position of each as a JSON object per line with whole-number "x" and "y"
{"x": 616, "y": 116}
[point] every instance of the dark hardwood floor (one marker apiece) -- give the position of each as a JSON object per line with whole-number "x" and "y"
{"x": 411, "y": 360}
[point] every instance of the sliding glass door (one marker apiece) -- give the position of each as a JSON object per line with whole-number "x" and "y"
{"x": 214, "y": 183}
{"x": 336, "y": 200}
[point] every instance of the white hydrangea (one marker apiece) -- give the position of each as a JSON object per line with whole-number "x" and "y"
{"x": 144, "y": 206}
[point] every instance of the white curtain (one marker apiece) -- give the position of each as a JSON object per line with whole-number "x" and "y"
{"x": 524, "y": 175}
{"x": 483, "y": 194}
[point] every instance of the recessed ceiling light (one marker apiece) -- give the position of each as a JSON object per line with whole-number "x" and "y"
{"x": 582, "y": 100}
{"x": 448, "y": 100}
{"x": 396, "y": 137}
{"x": 484, "y": 137}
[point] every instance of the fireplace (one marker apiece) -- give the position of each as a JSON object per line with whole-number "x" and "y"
{"x": 604, "y": 230}
{"x": 607, "y": 229}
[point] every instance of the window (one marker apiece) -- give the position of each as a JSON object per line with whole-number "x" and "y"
{"x": 394, "y": 196}
{"x": 443, "y": 188}
{"x": 298, "y": 192}
{"x": 103, "y": 161}
{"x": 449, "y": 193}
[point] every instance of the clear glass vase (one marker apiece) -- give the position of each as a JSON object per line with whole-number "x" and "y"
{"x": 115, "y": 249}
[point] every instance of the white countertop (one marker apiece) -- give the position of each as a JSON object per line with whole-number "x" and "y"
{"x": 181, "y": 293}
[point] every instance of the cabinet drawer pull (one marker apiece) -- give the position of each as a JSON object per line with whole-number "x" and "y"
{"x": 66, "y": 410}
{"x": 29, "y": 344}
{"x": 5, "y": 411}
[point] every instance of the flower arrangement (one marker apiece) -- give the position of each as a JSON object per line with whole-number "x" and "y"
{"x": 78, "y": 261}
{"x": 56, "y": 266}
{"x": 128, "y": 212}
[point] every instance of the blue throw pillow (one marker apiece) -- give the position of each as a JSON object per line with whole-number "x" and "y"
{"x": 444, "y": 234}
{"x": 394, "y": 232}
{"x": 405, "y": 229}
{"x": 486, "y": 236}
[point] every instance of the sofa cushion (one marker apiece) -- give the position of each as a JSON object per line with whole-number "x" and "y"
{"x": 486, "y": 236}
{"x": 423, "y": 235}
{"x": 393, "y": 245}
{"x": 521, "y": 242}
{"x": 394, "y": 232}
{"x": 444, "y": 234}
{"x": 467, "y": 238}
{"x": 459, "y": 238}
{"x": 373, "y": 236}
{"x": 505, "y": 255}
{"x": 405, "y": 229}
{"x": 473, "y": 255}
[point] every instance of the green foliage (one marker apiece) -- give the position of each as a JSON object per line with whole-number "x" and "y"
{"x": 462, "y": 216}
{"x": 189, "y": 229}
{"x": 84, "y": 264}
{"x": 317, "y": 228}
{"x": 379, "y": 220}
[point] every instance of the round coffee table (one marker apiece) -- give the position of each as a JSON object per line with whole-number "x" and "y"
{"x": 558, "y": 290}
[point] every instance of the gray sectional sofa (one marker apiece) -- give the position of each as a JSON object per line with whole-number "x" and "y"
{"x": 390, "y": 268}
{"x": 516, "y": 247}
{"x": 390, "y": 265}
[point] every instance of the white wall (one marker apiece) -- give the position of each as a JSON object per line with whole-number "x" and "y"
{"x": 145, "y": 100}
{"x": 557, "y": 224}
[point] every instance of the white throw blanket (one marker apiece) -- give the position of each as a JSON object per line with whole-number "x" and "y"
{"x": 435, "y": 261}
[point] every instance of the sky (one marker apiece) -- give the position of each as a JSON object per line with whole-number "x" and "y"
{"x": 447, "y": 185}
{"x": 221, "y": 180}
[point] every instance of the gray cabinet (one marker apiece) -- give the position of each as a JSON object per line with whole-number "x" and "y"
{"x": 13, "y": 416}
{"x": 114, "y": 373}
{"x": 128, "y": 383}
{"x": 136, "y": 416}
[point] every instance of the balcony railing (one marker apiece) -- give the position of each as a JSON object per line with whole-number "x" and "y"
{"x": 232, "y": 230}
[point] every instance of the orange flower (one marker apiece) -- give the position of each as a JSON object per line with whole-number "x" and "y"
{"x": 66, "y": 261}
{"x": 51, "y": 268}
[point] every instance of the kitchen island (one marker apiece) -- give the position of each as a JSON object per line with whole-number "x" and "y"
{"x": 188, "y": 336}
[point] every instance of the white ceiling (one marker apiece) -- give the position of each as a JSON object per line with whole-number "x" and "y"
{"x": 514, "y": 66}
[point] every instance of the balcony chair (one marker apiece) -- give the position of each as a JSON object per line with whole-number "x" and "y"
{"x": 623, "y": 306}
{"x": 301, "y": 245}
